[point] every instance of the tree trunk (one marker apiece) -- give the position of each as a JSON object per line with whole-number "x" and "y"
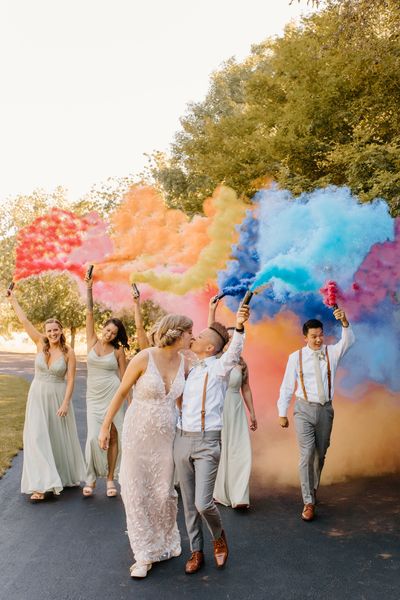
{"x": 73, "y": 332}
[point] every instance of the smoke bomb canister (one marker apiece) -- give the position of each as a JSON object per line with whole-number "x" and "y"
{"x": 247, "y": 297}
{"x": 135, "y": 290}
{"x": 89, "y": 272}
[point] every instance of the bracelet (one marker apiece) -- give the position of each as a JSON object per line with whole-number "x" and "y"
{"x": 239, "y": 330}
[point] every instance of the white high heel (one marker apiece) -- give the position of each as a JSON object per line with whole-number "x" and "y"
{"x": 140, "y": 571}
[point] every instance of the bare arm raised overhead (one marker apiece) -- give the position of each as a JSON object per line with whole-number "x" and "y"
{"x": 30, "y": 329}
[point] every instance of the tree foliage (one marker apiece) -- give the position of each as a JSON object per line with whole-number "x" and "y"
{"x": 318, "y": 105}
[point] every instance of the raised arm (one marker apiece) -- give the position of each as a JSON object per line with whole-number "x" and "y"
{"x": 140, "y": 330}
{"x": 71, "y": 370}
{"x": 347, "y": 338}
{"x": 136, "y": 367}
{"x": 30, "y": 329}
{"x": 91, "y": 337}
{"x": 231, "y": 357}
{"x": 212, "y": 309}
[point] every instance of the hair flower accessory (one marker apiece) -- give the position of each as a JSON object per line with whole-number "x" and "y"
{"x": 172, "y": 331}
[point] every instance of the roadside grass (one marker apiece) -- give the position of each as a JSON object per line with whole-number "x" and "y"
{"x": 13, "y": 394}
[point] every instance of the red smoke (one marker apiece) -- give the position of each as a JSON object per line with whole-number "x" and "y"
{"x": 57, "y": 242}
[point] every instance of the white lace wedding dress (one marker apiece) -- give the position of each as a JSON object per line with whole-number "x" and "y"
{"x": 147, "y": 466}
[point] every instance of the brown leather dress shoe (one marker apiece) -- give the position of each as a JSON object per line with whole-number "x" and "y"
{"x": 220, "y": 550}
{"x": 308, "y": 512}
{"x": 195, "y": 562}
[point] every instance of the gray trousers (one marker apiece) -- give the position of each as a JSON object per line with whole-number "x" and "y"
{"x": 313, "y": 423}
{"x": 196, "y": 458}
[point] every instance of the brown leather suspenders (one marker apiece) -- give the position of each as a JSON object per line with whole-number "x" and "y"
{"x": 203, "y": 404}
{"x": 328, "y": 364}
{"x": 301, "y": 376}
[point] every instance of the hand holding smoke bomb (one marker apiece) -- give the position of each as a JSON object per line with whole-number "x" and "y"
{"x": 215, "y": 299}
{"x": 135, "y": 291}
{"x": 89, "y": 272}
{"x": 247, "y": 297}
{"x": 10, "y": 289}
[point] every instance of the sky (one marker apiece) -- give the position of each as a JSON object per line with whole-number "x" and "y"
{"x": 89, "y": 87}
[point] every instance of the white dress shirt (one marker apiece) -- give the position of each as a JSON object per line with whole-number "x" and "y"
{"x": 218, "y": 378}
{"x": 291, "y": 377}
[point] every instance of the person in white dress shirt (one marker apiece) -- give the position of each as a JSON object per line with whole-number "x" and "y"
{"x": 312, "y": 371}
{"x": 197, "y": 444}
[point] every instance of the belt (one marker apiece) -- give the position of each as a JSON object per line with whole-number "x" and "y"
{"x": 316, "y": 403}
{"x": 210, "y": 435}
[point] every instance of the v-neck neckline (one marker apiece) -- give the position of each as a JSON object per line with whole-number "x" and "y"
{"x": 53, "y": 363}
{"x": 161, "y": 377}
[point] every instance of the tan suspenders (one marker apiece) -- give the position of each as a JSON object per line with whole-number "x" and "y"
{"x": 301, "y": 374}
{"x": 328, "y": 373}
{"x": 203, "y": 404}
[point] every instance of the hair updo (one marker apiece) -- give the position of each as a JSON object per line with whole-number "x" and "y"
{"x": 171, "y": 328}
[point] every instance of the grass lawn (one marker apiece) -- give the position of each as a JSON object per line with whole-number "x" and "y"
{"x": 13, "y": 394}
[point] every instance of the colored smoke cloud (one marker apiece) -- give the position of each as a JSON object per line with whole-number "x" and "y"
{"x": 229, "y": 211}
{"x": 296, "y": 245}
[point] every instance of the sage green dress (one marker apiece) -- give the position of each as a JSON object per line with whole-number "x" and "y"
{"x": 232, "y": 483}
{"x": 52, "y": 453}
{"x": 102, "y": 383}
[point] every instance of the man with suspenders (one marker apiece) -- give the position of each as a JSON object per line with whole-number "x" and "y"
{"x": 313, "y": 368}
{"x": 197, "y": 444}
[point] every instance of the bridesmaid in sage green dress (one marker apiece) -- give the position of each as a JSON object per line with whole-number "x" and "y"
{"x": 106, "y": 364}
{"x": 52, "y": 453}
{"x": 232, "y": 482}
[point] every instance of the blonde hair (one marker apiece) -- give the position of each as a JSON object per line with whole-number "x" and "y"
{"x": 170, "y": 329}
{"x": 63, "y": 341}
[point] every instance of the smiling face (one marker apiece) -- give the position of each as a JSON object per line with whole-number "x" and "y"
{"x": 109, "y": 333}
{"x": 315, "y": 338}
{"x": 53, "y": 332}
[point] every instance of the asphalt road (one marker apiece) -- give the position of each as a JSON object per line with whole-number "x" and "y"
{"x": 70, "y": 548}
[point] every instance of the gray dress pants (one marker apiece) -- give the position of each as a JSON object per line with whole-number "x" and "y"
{"x": 313, "y": 423}
{"x": 196, "y": 458}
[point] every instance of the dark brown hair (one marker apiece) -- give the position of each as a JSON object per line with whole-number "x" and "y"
{"x": 121, "y": 338}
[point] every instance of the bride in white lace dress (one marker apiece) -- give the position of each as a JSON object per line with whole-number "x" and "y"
{"x": 147, "y": 466}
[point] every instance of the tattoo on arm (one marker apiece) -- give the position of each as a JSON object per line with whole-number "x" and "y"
{"x": 89, "y": 299}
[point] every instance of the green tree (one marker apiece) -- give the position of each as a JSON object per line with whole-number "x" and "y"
{"x": 318, "y": 105}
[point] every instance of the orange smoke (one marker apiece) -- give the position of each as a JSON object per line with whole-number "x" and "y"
{"x": 365, "y": 438}
{"x": 147, "y": 234}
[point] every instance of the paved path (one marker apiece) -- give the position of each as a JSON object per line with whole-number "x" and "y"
{"x": 71, "y": 548}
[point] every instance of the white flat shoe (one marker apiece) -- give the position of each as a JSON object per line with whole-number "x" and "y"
{"x": 140, "y": 571}
{"x": 172, "y": 554}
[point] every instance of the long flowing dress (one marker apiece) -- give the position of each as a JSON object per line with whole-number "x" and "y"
{"x": 102, "y": 383}
{"x": 232, "y": 483}
{"x": 52, "y": 453}
{"x": 147, "y": 466}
